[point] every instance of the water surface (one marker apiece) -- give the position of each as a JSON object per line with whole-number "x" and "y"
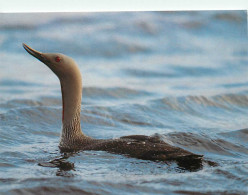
{"x": 180, "y": 75}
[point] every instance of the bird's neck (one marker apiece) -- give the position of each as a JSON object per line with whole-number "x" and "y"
{"x": 71, "y": 90}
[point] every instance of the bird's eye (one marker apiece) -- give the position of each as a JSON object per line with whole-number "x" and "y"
{"x": 57, "y": 59}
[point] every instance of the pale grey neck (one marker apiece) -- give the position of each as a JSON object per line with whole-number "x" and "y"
{"x": 71, "y": 89}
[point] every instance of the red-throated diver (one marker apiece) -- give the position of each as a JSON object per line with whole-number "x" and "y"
{"x": 72, "y": 137}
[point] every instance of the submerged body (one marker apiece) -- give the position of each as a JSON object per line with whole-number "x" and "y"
{"x": 72, "y": 137}
{"x": 141, "y": 147}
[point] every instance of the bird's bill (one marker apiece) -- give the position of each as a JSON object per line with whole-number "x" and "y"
{"x": 33, "y": 52}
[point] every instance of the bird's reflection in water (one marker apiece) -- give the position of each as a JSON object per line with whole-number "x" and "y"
{"x": 63, "y": 165}
{"x": 195, "y": 164}
{"x": 190, "y": 165}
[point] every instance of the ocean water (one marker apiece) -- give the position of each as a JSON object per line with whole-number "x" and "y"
{"x": 180, "y": 75}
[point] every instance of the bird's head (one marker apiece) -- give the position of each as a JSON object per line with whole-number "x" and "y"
{"x": 62, "y": 65}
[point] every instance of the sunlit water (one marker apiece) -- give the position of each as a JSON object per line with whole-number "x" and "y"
{"x": 181, "y": 75}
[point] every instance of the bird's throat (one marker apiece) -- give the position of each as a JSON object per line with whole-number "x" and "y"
{"x": 63, "y": 104}
{"x": 71, "y": 101}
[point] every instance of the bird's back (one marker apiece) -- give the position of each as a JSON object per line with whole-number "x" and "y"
{"x": 147, "y": 148}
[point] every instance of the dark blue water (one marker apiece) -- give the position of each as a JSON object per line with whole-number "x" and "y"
{"x": 181, "y": 75}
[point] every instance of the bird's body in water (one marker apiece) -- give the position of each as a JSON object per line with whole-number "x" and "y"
{"x": 72, "y": 137}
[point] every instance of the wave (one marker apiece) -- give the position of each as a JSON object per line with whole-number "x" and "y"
{"x": 90, "y": 95}
{"x": 229, "y": 17}
{"x": 184, "y": 103}
{"x": 51, "y": 190}
{"x": 224, "y": 101}
{"x": 48, "y": 120}
{"x": 141, "y": 112}
{"x": 203, "y": 144}
{"x": 113, "y": 93}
